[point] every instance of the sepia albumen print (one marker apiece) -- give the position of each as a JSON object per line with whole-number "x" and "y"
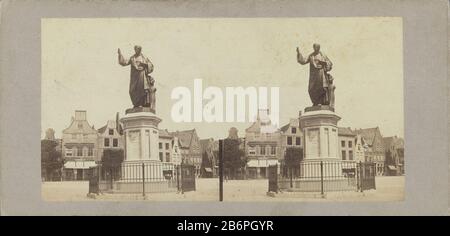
{"x": 222, "y": 109}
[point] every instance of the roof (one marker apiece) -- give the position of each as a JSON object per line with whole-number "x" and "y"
{"x": 285, "y": 127}
{"x": 165, "y": 133}
{"x": 184, "y": 137}
{"x": 368, "y": 134}
{"x": 262, "y": 127}
{"x": 206, "y": 142}
{"x": 102, "y": 129}
{"x": 345, "y": 131}
{"x": 393, "y": 140}
{"x": 112, "y": 124}
{"x": 254, "y": 128}
{"x": 74, "y": 129}
{"x": 387, "y": 142}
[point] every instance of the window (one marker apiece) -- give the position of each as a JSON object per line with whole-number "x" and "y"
{"x": 69, "y": 152}
{"x": 289, "y": 140}
{"x": 293, "y": 130}
{"x": 79, "y": 151}
{"x": 161, "y": 156}
{"x": 167, "y": 157}
{"x": 106, "y": 144}
{"x": 342, "y": 143}
{"x": 343, "y": 155}
{"x": 90, "y": 151}
{"x": 262, "y": 150}
{"x": 160, "y": 145}
{"x": 297, "y": 141}
{"x": 111, "y": 132}
{"x": 80, "y": 125}
{"x": 273, "y": 150}
{"x": 167, "y": 146}
{"x": 350, "y": 144}
{"x": 350, "y": 155}
{"x": 115, "y": 142}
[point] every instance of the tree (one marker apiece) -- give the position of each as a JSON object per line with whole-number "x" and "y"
{"x": 233, "y": 156}
{"x": 112, "y": 158}
{"x": 51, "y": 160}
{"x": 206, "y": 162}
{"x": 292, "y": 159}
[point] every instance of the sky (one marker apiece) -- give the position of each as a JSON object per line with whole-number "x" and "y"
{"x": 80, "y": 69}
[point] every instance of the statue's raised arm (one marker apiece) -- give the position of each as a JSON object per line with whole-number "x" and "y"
{"x": 142, "y": 84}
{"x": 122, "y": 60}
{"x": 301, "y": 59}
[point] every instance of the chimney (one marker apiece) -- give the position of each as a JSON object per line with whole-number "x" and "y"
{"x": 80, "y": 115}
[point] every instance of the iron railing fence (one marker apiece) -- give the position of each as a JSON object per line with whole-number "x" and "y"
{"x": 130, "y": 177}
{"x": 322, "y": 176}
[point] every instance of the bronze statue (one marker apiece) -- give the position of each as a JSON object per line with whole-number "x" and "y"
{"x": 142, "y": 84}
{"x": 321, "y": 88}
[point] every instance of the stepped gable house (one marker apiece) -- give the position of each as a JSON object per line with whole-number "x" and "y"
{"x": 190, "y": 148}
{"x": 79, "y": 147}
{"x": 373, "y": 141}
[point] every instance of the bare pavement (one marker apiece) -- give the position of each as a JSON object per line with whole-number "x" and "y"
{"x": 388, "y": 189}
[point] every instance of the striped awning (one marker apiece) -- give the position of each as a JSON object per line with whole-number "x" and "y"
{"x": 392, "y": 167}
{"x": 262, "y": 163}
{"x": 79, "y": 164}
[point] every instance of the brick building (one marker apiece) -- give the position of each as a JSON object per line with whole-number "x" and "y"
{"x": 79, "y": 148}
{"x": 190, "y": 151}
{"x": 374, "y": 147}
{"x": 110, "y": 136}
{"x": 262, "y": 146}
{"x": 395, "y": 157}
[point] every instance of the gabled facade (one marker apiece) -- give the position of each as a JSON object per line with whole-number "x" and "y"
{"x": 206, "y": 146}
{"x": 176, "y": 151}
{"x": 165, "y": 146}
{"x": 291, "y": 136}
{"x": 262, "y": 146}
{"x": 395, "y": 159}
{"x": 79, "y": 147}
{"x": 347, "y": 140}
{"x": 190, "y": 148}
{"x": 110, "y": 137}
{"x": 373, "y": 141}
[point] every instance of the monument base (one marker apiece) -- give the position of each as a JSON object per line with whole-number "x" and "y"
{"x": 319, "y": 107}
{"x": 141, "y": 136}
{"x": 139, "y": 109}
{"x": 320, "y": 134}
{"x": 151, "y": 170}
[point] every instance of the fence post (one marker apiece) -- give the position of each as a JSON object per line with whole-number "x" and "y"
{"x": 321, "y": 177}
{"x": 143, "y": 179}
{"x": 178, "y": 177}
{"x": 112, "y": 177}
{"x": 360, "y": 176}
{"x": 291, "y": 181}
{"x": 221, "y": 148}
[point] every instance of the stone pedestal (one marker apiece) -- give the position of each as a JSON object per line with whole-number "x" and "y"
{"x": 141, "y": 134}
{"x": 320, "y": 138}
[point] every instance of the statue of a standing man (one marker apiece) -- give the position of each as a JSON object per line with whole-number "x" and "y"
{"x": 142, "y": 85}
{"x": 321, "y": 88}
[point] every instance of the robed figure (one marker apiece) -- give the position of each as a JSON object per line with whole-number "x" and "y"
{"x": 320, "y": 88}
{"x": 142, "y": 89}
